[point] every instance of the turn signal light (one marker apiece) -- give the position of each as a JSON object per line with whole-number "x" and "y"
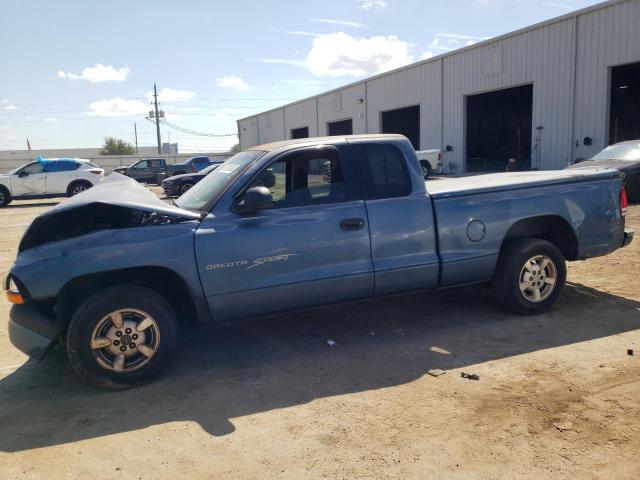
{"x": 13, "y": 294}
{"x": 15, "y": 298}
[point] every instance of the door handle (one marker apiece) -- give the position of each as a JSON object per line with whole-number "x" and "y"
{"x": 349, "y": 224}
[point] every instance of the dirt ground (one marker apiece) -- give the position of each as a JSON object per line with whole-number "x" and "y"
{"x": 558, "y": 395}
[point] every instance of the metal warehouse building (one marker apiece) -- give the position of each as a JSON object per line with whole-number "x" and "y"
{"x": 546, "y": 95}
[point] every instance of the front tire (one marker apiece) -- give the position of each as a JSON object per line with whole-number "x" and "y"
{"x": 5, "y": 197}
{"x": 530, "y": 275}
{"x": 122, "y": 336}
{"x": 184, "y": 187}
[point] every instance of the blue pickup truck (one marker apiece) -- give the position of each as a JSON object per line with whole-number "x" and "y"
{"x": 114, "y": 272}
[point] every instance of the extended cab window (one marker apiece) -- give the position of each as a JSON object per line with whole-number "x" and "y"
{"x": 304, "y": 178}
{"x": 141, "y": 164}
{"x": 384, "y": 171}
{"x": 155, "y": 163}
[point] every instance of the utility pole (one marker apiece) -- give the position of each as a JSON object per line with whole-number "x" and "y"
{"x": 135, "y": 132}
{"x": 155, "y": 101}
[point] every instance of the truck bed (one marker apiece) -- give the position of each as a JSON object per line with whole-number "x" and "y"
{"x": 452, "y": 187}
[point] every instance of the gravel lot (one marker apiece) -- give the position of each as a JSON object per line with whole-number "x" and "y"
{"x": 558, "y": 395}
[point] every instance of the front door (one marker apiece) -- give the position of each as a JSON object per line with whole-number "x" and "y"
{"x": 141, "y": 170}
{"x": 29, "y": 180}
{"x": 311, "y": 248}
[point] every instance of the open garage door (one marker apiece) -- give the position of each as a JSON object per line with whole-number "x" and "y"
{"x": 343, "y": 127}
{"x": 499, "y": 129}
{"x": 405, "y": 121}
{"x": 302, "y": 132}
{"x": 624, "y": 120}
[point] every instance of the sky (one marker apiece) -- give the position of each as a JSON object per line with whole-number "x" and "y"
{"x": 75, "y": 71}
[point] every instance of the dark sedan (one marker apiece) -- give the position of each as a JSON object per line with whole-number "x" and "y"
{"x": 178, "y": 184}
{"x": 625, "y": 157}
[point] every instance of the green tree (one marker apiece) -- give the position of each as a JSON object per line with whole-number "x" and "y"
{"x": 116, "y": 146}
{"x": 235, "y": 149}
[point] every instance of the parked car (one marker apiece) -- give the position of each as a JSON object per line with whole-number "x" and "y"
{"x": 239, "y": 248}
{"x": 52, "y": 177}
{"x": 154, "y": 170}
{"x": 624, "y": 157}
{"x": 179, "y": 184}
{"x": 430, "y": 161}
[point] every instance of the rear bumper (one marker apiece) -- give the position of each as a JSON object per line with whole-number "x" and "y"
{"x": 627, "y": 238}
{"x": 30, "y": 331}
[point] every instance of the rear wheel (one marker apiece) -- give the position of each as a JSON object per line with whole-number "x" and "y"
{"x": 122, "y": 336}
{"x": 184, "y": 187}
{"x": 530, "y": 275}
{"x": 5, "y": 197}
{"x": 78, "y": 187}
{"x": 632, "y": 186}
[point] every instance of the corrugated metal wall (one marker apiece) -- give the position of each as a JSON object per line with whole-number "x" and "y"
{"x": 568, "y": 62}
{"x": 606, "y": 38}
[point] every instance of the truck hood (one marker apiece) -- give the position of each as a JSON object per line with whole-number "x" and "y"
{"x": 117, "y": 202}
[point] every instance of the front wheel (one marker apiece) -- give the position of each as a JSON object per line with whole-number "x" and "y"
{"x": 530, "y": 275}
{"x": 184, "y": 187}
{"x": 122, "y": 336}
{"x": 5, "y": 197}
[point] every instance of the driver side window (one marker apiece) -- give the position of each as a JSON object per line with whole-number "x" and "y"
{"x": 304, "y": 178}
{"x": 33, "y": 168}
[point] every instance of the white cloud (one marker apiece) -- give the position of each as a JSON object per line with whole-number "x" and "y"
{"x": 339, "y": 54}
{"x": 367, "y": 5}
{"x": 294, "y": 32}
{"x": 4, "y": 100}
{"x": 28, "y": 117}
{"x": 117, "y": 107}
{"x": 51, "y": 120}
{"x": 281, "y": 61}
{"x": 10, "y": 107}
{"x": 426, "y": 55}
{"x": 232, "y": 81}
{"x": 330, "y": 21}
{"x": 99, "y": 73}
{"x": 171, "y": 95}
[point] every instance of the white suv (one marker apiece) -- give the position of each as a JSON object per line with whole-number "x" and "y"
{"x": 49, "y": 178}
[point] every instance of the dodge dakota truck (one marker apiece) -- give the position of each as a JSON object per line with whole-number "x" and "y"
{"x": 113, "y": 273}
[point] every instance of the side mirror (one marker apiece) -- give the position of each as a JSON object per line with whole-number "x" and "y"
{"x": 256, "y": 198}
{"x": 23, "y": 174}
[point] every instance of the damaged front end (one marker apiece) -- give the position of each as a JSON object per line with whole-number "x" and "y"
{"x": 118, "y": 202}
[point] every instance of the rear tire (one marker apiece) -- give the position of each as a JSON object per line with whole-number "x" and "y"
{"x": 77, "y": 187}
{"x": 5, "y": 197}
{"x": 122, "y": 336}
{"x": 426, "y": 168}
{"x": 632, "y": 186}
{"x": 529, "y": 276}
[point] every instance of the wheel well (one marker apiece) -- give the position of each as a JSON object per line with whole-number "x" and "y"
{"x": 165, "y": 282}
{"x": 552, "y": 228}
{"x": 75, "y": 182}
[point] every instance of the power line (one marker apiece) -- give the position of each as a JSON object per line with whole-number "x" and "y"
{"x": 192, "y": 132}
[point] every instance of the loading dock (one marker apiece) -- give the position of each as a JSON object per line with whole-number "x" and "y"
{"x": 405, "y": 121}
{"x": 302, "y": 132}
{"x": 499, "y": 129}
{"x": 341, "y": 127}
{"x": 624, "y": 118}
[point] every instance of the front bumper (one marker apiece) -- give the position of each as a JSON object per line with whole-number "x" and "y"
{"x": 627, "y": 238}
{"x": 30, "y": 331}
{"x": 169, "y": 189}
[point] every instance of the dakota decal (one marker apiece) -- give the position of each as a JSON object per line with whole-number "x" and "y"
{"x": 256, "y": 263}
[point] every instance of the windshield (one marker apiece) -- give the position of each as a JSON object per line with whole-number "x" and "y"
{"x": 216, "y": 183}
{"x": 627, "y": 151}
